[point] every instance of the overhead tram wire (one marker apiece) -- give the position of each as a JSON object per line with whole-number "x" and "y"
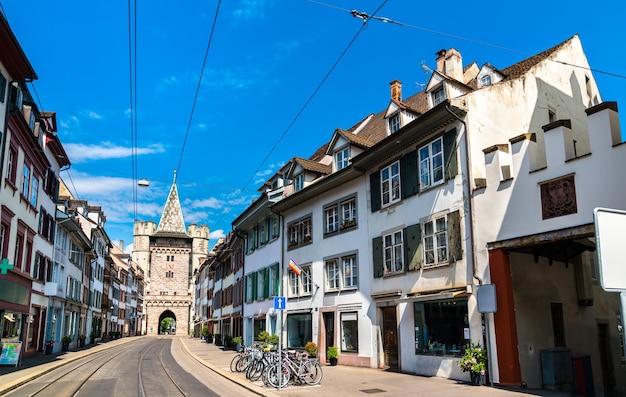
{"x": 364, "y": 16}
{"x": 306, "y": 103}
{"x": 132, "y": 66}
{"x": 195, "y": 98}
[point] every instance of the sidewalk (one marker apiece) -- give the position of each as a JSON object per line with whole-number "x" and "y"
{"x": 338, "y": 381}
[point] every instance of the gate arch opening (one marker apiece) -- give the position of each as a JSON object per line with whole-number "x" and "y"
{"x": 167, "y": 323}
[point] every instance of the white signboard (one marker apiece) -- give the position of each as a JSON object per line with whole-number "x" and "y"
{"x": 610, "y": 226}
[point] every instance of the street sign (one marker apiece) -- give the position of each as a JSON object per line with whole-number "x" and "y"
{"x": 610, "y": 226}
{"x": 280, "y": 303}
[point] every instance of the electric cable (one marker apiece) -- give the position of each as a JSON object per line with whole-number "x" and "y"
{"x": 363, "y": 15}
{"x": 132, "y": 66}
{"x": 195, "y": 98}
{"x": 299, "y": 113}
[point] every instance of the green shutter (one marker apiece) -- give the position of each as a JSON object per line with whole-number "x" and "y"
{"x": 375, "y": 190}
{"x": 413, "y": 247}
{"x": 255, "y": 288}
{"x": 449, "y": 154}
{"x": 266, "y": 282}
{"x": 377, "y": 256}
{"x": 277, "y": 280}
{"x": 454, "y": 236}
{"x": 408, "y": 175}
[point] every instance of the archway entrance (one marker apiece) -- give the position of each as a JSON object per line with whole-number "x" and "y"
{"x": 167, "y": 323}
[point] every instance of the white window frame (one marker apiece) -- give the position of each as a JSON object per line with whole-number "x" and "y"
{"x": 390, "y": 184}
{"x": 331, "y": 270}
{"x": 342, "y": 159}
{"x": 438, "y": 95}
{"x": 331, "y": 218}
{"x": 393, "y": 252}
{"x": 431, "y": 163}
{"x": 394, "y": 123}
{"x": 300, "y": 232}
{"x": 301, "y": 284}
{"x": 25, "y": 180}
{"x": 435, "y": 240}
{"x": 350, "y": 272}
{"x": 298, "y": 182}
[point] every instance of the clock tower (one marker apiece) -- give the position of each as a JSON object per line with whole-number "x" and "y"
{"x": 169, "y": 255}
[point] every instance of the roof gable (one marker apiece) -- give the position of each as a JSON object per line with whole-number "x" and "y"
{"x": 172, "y": 218}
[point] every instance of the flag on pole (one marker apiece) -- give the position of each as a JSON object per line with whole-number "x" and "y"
{"x": 295, "y": 267}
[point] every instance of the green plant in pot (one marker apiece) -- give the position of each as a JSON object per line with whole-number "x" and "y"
{"x": 238, "y": 342}
{"x": 65, "y": 343}
{"x": 332, "y": 353}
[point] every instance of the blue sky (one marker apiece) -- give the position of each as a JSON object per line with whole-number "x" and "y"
{"x": 261, "y": 100}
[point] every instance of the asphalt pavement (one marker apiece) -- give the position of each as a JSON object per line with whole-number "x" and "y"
{"x": 337, "y": 381}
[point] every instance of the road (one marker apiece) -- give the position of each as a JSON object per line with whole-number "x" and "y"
{"x": 146, "y": 367}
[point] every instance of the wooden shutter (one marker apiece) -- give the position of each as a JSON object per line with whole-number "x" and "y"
{"x": 408, "y": 175}
{"x": 449, "y": 154}
{"x": 377, "y": 256}
{"x": 277, "y": 280}
{"x": 413, "y": 253}
{"x": 266, "y": 282}
{"x": 375, "y": 190}
{"x": 454, "y": 236}
{"x": 255, "y": 287}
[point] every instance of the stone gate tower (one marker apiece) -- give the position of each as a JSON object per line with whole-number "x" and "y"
{"x": 169, "y": 255}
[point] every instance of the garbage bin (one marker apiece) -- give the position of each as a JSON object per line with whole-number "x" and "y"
{"x": 556, "y": 369}
{"x": 583, "y": 377}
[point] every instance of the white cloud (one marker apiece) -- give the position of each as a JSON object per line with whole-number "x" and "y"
{"x": 94, "y": 115}
{"x": 211, "y": 202}
{"x": 79, "y": 152}
{"x": 250, "y": 9}
{"x": 215, "y": 234}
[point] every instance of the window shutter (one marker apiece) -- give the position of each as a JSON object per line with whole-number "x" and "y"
{"x": 266, "y": 282}
{"x": 277, "y": 280}
{"x": 454, "y": 236}
{"x": 375, "y": 190}
{"x": 449, "y": 154}
{"x": 255, "y": 287}
{"x": 408, "y": 175}
{"x": 377, "y": 256}
{"x": 413, "y": 253}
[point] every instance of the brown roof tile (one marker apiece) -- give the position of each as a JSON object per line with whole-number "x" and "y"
{"x": 313, "y": 166}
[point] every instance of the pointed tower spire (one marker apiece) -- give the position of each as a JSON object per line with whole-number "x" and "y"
{"x": 172, "y": 217}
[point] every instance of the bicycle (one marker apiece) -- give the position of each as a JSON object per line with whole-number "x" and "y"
{"x": 295, "y": 366}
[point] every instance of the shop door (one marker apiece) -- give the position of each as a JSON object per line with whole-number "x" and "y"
{"x": 329, "y": 326}
{"x": 390, "y": 337}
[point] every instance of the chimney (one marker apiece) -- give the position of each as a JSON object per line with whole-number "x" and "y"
{"x": 122, "y": 245}
{"x": 450, "y": 63}
{"x": 396, "y": 90}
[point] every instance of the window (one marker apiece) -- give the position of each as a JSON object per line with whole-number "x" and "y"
{"x": 431, "y": 163}
{"x": 350, "y": 272}
{"x": 394, "y": 123}
{"x": 300, "y": 284}
{"x": 12, "y": 165}
{"x": 298, "y": 183}
{"x": 341, "y": 158}
{"x": 341, "y": 272}
{"x": 392, "y": 251}
{"x": 349, "y": 332}
{"x": 299, "y": 232}
{"x": 274, "y": 280}
{"x": 19, "y": 250}
{"x": 390, "y": 183}
{"x": 299, "y": 329}
{"x": 485, "y": 80}
{"x": 439, "y": 327}
{"x": 348, "y": 213}
{"x": 558, "y": 328}
{"x": 331, "y": 216}
{"x": 3, "y": 87}
{"x": 169, "y": 274}
{"x": 26, "y": 181}
{"x": 332, "y": 274}
{"x": 250, "y": 287}
{"x": 435, "y": 241}
{"x": 33, "y": 191}
{"x": 438, "y": 96}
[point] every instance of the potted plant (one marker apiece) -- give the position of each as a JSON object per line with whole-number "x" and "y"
{"x": 272, "y": 341}
{"x": 228, "y": 341}
{"x": 81, "y": 340}
{"x": 311, "y": 349}
{"x": 238, "y": 341}
{"x": 474, "y": 361}
{"x": 65, "y": 343}
{"x": 218, "y": 340}
{"x": 205, "y": 331}
{"x": 209, "y": 338}
{"x": 48, "y": 345}
{"x": 331, "y": 354}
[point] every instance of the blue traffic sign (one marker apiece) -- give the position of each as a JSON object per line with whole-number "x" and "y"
{"x": 280, "y": 303}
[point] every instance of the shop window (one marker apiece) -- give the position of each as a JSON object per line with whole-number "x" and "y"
{"x": 298, "y": 329}
{"x": 349, "y": 332}
{"x": 441, "y": 327}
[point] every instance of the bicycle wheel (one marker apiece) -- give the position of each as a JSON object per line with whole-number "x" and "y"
{"x": 242, "y": 365}
{"x": 275, "y": 379}
{"x": 234, "y": 362}
{"x": 311, "y": 373}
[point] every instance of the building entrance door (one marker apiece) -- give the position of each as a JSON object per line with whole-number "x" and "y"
{"x": 390, "y": 337}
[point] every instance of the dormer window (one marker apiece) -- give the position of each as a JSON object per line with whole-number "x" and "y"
{"x": 298, "y": 182}
{"x": 394, "y": 123}
{"x": 438, "y": 95}
{"x": 341, "y": 158}
{"x": 485, "y": 80}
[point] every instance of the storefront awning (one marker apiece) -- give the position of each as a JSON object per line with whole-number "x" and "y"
{"x": 441, "y": 295}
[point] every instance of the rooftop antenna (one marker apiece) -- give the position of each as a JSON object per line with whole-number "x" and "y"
{"x": 427, "y": 70}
